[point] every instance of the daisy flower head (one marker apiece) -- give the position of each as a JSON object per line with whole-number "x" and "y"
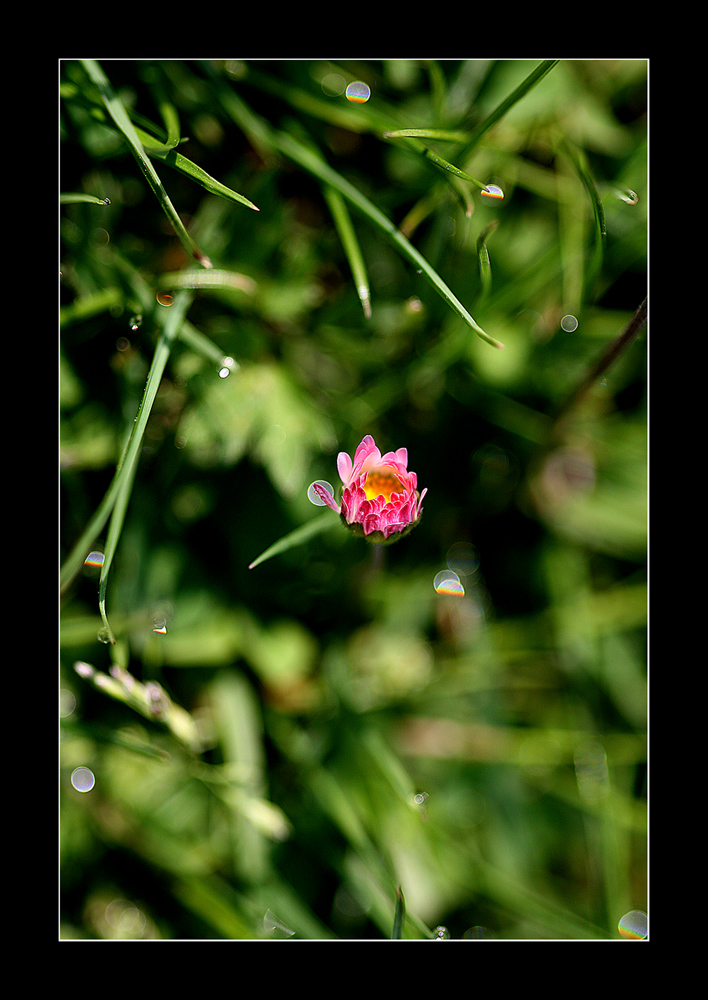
{"x": 380, "y": 500}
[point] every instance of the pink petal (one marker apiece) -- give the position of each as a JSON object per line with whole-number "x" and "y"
{"x": 344, "y": 467}
{"x": 367, "y": 456}
{"x": 325, "y": 496}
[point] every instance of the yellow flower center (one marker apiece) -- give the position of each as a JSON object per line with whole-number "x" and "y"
{"x": 382, "y": 482}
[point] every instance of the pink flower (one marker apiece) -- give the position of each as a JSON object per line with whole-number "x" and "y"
{"x": 379, "y": 497}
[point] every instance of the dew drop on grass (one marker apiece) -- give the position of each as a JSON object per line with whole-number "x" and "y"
{"x": 448, "y": 582}
{"x": 569, "y": 323}
{"x": 275, "y": 927}
{"x": 441, "y": 933}
{"x": 358, "y": 92}
{"x": 312, "y": 494}
{"x": 628, "y": 196}
{"x": 462, "y": 559}
{"x": 82, "y": 778}
{"x": 94, "y": 559}
{"x": 226, "y": 366}
{"x": 633, "y": 925}
{"x": 493, "y": 191}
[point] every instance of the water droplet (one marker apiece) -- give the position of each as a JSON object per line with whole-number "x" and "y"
{"x": 94, "y": 559}
{"x": 275, "y": 927}
{"x": 569, "y": 323}
{"x": 448, "y": 582}
{"x": 462, "y": 559}
{"x": 82, "y": 778}
{"x": 358, "y": 92}
{"x": 634, "y": 925}
{"x": 106, "y": 201}
{"x": 103, "y": 635}
{"x": 477, "y": 933}
{"x": 135, "y": 322}
{"x": 164, "y": 298}
{"x": 125, "y": 918}
{"x": 226, "y": 367}
{"x": 67, "y": 703}
{"x": 312, "y": 495}
{"x": 493, "y": 191}
{"x": 441, "y": 933}
{"x": 421, "y": 798}
{"x": 333, "y": 84}
{"x": 628, "y": 196}
{"x": 161, "y": 613}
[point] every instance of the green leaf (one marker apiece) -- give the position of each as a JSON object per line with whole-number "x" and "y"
{"x": 297, "y": 537}
{"x": 120, "y": 117}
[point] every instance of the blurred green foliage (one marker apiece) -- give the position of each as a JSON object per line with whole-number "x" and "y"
{"x": 310, "y": 735}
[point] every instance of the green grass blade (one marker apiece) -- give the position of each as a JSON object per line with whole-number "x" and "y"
{"x": 445, "y": 135}
{"x": 126, "y": 474}
{"x": 297, "y": 537}
{"x": 259, "y": 131}
{"x": 115, "y": 502}
{"x": 399, "y": 916}
{"x": 413, "y": 136}
{"x": 120, "y": 118}
{"x": 319, "y": 168}
{"x": 185, "y": 166}
{"x": 199, "y": 343}
{"x": 343, "y": 222}
{"x": 580, "y": 165}
{"x": 485, "y": 267}
{"x": 72, "y": 199}
{"x": 534, "y": 77}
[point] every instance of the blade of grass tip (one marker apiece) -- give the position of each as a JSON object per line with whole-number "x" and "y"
{"x": 189, "y": 169}
{"x": 72, "y": 199}
{"x": 119, "y": 115}
{"x": 315, "y": 165}
{"x": 445, "y": 135}
{"x": 126, "y": 473}
{"x": 343, "y": 223}
{"x": 296, "y": 537}
{"x": 439, "y": 161}
{"x": 485, "y": 267}
{"x": 580, "y": 165}
{"x": 399, "y": 916}
{"x": 534, "y": 77}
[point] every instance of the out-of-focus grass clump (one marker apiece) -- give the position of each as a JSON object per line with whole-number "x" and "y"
{"x": 274, "y": 752}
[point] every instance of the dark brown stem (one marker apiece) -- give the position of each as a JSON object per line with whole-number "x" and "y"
{"x": 601, "y": 365}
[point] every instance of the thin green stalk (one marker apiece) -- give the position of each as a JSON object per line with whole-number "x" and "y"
{"x": 534, "y": 77}
{"x": 120, "y": 117}
{"x": 485, "y": 267}
{"x": 126, "y": 473}
{"x": 74, "y": 561}
{"x": 343, "y": 222}
{"x": 577, "y": 158}
{"x": 259, "y": 131}
{"x": 319, "y": 168}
